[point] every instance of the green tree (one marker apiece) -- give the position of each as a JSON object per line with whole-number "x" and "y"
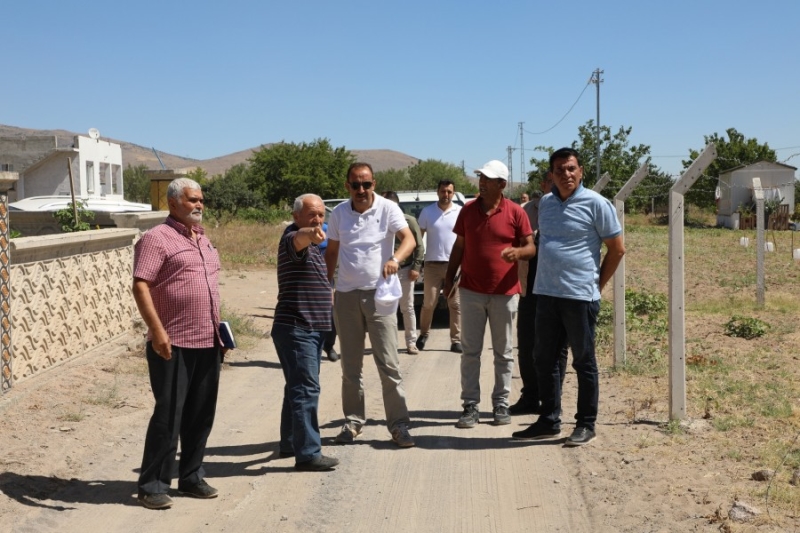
{"x": 425, "y": 175}
{"x": 199, "y": 175}
{"x": 393, "y": 179}
{"x": 617, "y": 157}
{"x": 736, "y": 151}
{"x": 136, "y": 184}
{"x": 226, "y": 194}
{"x": 281, "y": 172}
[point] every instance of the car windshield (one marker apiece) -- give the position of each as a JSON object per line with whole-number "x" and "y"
{"x": 415, "y": 207}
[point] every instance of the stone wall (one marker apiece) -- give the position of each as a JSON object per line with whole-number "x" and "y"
{"x": 69, "y": 294}
{"x": 18, "y": 153}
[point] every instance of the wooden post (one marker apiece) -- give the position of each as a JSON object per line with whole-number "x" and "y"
{"x": 72, "y": 192}
{"x": 677, "y": 311}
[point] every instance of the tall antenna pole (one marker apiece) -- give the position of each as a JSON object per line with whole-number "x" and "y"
{"x": 521, "y": 156}
{"x": 597, "y": 81}
{"x": 510, "y": 150}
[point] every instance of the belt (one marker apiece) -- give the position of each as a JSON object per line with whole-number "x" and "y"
{"x": 436, "y": 262}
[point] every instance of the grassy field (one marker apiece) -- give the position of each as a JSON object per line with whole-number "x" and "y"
{"x": 741, "y": 360}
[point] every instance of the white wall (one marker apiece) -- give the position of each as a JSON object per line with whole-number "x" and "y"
{"x": 737, "y": 187}
{"x": 105, "y": 158}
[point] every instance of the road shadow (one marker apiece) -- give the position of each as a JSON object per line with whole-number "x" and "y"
{"x": 465, "y": 440}
{"x": 30, "y": 490}
{"x": 256, "y": 364}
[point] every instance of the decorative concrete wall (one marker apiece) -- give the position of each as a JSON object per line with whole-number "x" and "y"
{"x": 69, "y": 294}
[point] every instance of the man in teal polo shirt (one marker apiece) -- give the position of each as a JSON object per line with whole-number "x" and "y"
{"x": 574, "y": 223}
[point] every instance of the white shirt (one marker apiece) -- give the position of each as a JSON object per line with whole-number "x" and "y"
{"x": 438, "y": 226}
{"x": 366, "y": 241}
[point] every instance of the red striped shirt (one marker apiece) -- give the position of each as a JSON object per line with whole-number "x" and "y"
{"x": 183, "y": 276}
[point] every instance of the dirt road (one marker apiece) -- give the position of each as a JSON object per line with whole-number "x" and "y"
{"x": 71, "y": 442}
{"x": 453, "y": 480}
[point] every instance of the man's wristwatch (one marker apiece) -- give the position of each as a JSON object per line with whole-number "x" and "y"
{"x": 393, "y": 258}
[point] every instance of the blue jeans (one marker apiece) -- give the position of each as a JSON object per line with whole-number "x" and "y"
{"x": 298, "y": 350}
{"x": 560, "y": 320}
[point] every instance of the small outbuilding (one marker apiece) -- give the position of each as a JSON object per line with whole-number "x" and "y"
{"x": 735, "y": 190}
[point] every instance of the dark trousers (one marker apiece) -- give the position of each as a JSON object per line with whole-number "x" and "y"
{"x": 560, "y": 320}
{"x": 526, "y": 336}
{"x": 185, "y": 389}
{"x": 329, "y": 336}
{"x": 298, "y": 351}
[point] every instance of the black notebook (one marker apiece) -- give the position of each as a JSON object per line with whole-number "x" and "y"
{"x": 226, "y": 335}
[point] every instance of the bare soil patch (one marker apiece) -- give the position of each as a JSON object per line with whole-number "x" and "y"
{"x": 81, "y": 426}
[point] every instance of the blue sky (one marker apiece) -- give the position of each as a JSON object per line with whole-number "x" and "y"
{"x": 444, "y": 80}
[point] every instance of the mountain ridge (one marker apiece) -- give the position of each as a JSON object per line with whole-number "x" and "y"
{"x": 134, "y": 154}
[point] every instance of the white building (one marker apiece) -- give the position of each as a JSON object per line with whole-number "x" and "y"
{"x": 96, "y": 177}
{"x": 736, "y": 189}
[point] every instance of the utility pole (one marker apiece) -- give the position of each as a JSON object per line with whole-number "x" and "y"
{"x": 597, "y": 81}
{"x": 521, "y": 156}
{"x": 510, "y": 150}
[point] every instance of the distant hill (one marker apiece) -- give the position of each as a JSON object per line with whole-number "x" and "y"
{"x": 134, "y": 154}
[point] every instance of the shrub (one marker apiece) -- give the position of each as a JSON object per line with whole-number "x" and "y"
{"x": 746, "y": 328}
{"x": 67, "y": 221}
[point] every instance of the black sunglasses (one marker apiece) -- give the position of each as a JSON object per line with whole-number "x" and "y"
{"x": 356, "y": 185}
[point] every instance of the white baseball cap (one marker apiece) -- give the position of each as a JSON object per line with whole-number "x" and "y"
{"x": 494, "y": 169}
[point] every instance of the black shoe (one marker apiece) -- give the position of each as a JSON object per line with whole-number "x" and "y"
{"x": 319, "y": 463}
{"x": 580, "y": 437}
{"x": 469, "y": 418}
{"x": 536, "y": 431}
{"x": 332, "y": 355}
{"x": 155, "y": 501}
{"x": 421, "y": 340}
{"x": 524, "y": 407}
{"x": 456, "y": 348}
{"x": 201, "y": 489}
{"x": 283, "y": 455}
{"x": 501, "y": 416}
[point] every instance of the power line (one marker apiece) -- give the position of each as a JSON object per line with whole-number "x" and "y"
{"x": 566, "y": 114}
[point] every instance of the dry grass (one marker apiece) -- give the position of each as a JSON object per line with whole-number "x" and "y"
{"x": 746, "y": 389}
{"x": 246, "y": 245}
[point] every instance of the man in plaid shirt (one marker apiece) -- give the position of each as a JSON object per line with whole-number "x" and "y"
{"x": 175, "y": 273}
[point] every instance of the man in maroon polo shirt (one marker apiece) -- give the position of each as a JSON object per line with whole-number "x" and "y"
{"x": 492, "y": 234}
{"x": 175, "y": 273}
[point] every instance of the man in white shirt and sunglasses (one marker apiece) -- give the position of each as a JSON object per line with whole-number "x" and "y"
{"x": 361, "y": 236}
